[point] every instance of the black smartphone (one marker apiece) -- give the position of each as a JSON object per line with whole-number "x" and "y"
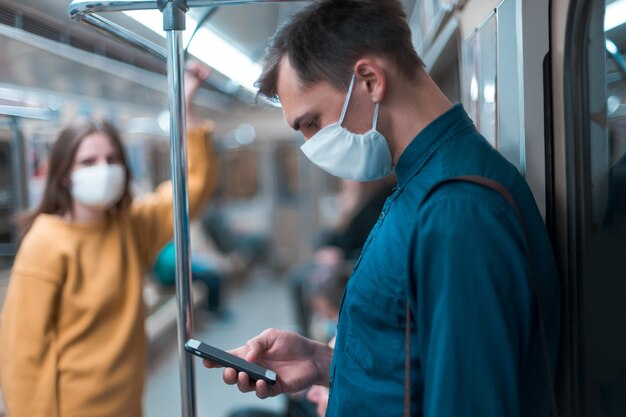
{"x": 254, "y": 371}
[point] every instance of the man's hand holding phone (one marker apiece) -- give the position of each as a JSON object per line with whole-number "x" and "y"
{"x": 299, "y": 363}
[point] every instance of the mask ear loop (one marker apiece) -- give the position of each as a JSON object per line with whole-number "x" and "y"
{"x": 345, "y": 103}
{"x": 375, "y": 122}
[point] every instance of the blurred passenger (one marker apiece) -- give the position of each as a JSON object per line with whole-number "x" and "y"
{"x": 359, "y": 206}
{"x": 324, "y": 290}
{"x": 250, "y": 247}
{"x": 164, "y": 271}
{"x": 448, "y": 260}
{"x": 318, "y": 394}
{"x": 72, "y": 341}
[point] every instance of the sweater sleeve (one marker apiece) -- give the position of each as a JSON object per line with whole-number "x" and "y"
{"x": 28, "y": 356}
{"x": 472, "y": 306}
{"x": 152, "y": 217}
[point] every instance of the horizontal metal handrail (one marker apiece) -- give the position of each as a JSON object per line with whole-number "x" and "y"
{"x": 28, "y": 112}
{"x": 217, "y": 3}
{"x": 82, "y": 7}
{"x": 127, "y": 36}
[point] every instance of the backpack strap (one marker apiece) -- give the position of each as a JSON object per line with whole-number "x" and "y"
{"x": 407, "y": 362}
{"x": 504, "y": 192}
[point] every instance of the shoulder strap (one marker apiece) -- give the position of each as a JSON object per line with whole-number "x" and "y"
{"x": 485, "y": 182}
{"x": 504, "y": 192}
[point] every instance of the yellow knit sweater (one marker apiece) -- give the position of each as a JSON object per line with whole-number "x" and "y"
{"x": 72, "y": 341}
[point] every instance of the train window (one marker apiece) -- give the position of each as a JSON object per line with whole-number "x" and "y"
{"x": 508, "y": 85}
{"x": 479, "y": 81}
{"x": 286, "y": 157}
{"x": 487, "y": 80}
{"x": 240, "y": 174}
{"x": 39, "y": 148}
{"x": 490, "y": 77}
{"x": 469, "y": 76}
{"x": 428, "y": 16}
{"x": 138, "y": 155}
{"x": 426, "y": 20}
{"x": 160, "y": 162}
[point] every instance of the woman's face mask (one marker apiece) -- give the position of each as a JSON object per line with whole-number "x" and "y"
{"x": 358, "y": 157}
{"x": 100, "y": 186}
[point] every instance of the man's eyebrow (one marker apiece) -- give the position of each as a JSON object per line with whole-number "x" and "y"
{"x": 296, "y": 123}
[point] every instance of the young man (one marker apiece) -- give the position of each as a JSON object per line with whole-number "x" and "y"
{"x": 348, "y": 78}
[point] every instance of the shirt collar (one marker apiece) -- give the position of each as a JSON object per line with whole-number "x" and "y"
{"x": 426, "y": 142}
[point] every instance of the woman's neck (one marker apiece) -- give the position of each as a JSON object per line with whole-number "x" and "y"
{"x": 82, "y": 214}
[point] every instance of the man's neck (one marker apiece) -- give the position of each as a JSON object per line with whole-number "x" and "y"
{"x": 413, "y": 107}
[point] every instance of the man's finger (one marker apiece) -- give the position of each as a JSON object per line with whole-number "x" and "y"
{"x": 239, "y": 352}
{"x": 210, "y": 364}
{"x": 243, "y": 382}
{"x": 258, "y": 345}
{"x": 252, "y": 350}
{"x": 230, "y": 376}
{"x": 261, "y": 389}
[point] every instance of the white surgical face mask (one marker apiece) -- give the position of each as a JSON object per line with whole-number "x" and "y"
{"x": 99, "y": 186}
{"x": 358, "y": 157}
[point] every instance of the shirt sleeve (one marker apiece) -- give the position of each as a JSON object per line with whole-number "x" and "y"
{"x": 28, "y": 368}
{"x": 471, "y": 299}
{"x": 152, "y": 216}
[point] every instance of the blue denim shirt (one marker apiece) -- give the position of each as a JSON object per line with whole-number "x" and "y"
{"x": 461, "y": 258}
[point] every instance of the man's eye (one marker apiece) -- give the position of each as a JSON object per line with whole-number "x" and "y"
{"x": 312, "y": 124}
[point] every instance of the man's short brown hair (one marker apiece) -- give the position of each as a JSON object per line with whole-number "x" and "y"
{"x": 324, "y": 41}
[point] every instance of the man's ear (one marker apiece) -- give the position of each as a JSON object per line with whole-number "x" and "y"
{"x": 372, "y": 77}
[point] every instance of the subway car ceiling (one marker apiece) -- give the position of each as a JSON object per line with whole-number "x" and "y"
{"x": 51, "y": 61}
{"x": 56, "y": 62}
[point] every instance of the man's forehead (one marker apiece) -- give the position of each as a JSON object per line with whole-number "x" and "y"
{"x": 288, "y": 83}
{"x": 297, "y": 100}
{"x": 288, "y": 88}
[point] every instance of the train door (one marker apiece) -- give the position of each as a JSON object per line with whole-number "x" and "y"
{"x": 6, "y": 208}
{"x": 18, "y": 170}
{"x": 13, "y": 190}
{"x": 589, "y": 38}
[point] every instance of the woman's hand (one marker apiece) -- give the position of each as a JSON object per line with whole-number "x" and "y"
{"x": 298, "y": 362}
{"x": 195, "y": 74}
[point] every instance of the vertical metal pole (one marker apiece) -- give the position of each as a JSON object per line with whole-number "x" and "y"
{"x": 178, "y": 149}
